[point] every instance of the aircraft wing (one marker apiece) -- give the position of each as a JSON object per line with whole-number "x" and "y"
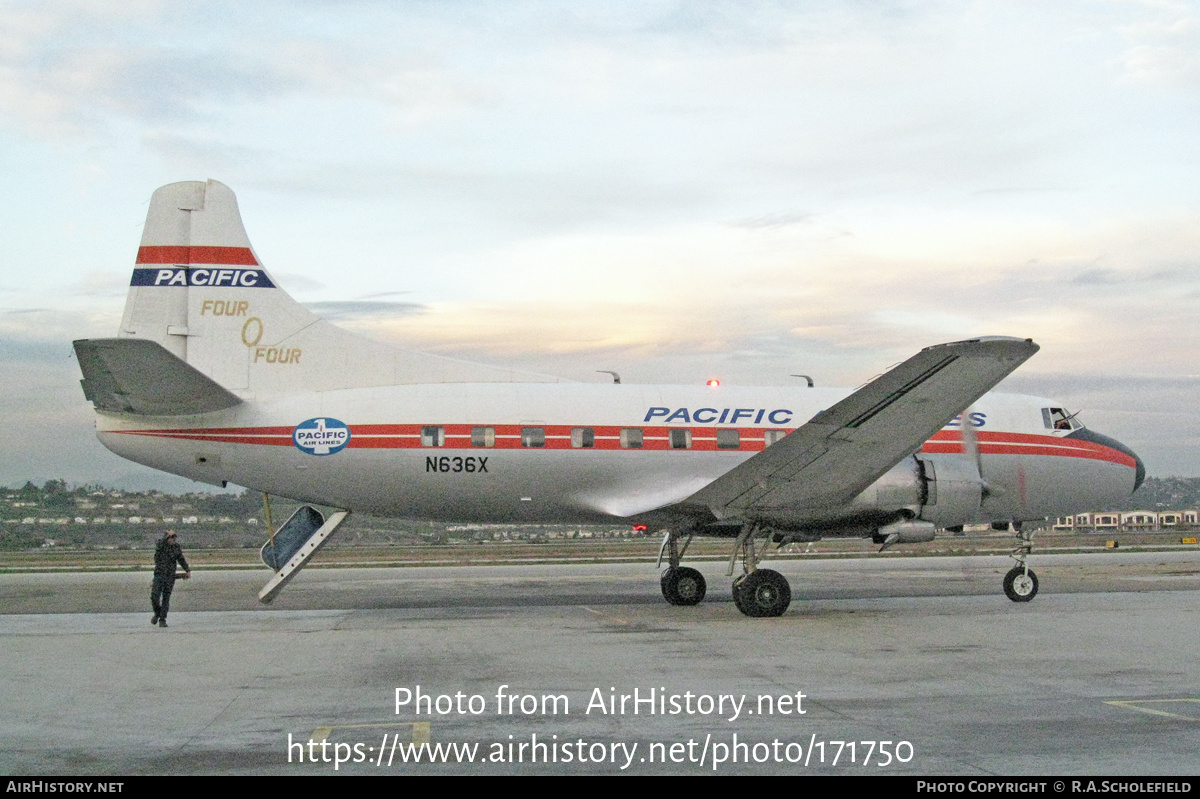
{"x": 842, "y": 450}
{"x": 133, "y": 375}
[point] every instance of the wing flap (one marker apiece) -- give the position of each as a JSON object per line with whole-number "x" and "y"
{"x": 842, "y": 450}
{"x": 139, "y": 376}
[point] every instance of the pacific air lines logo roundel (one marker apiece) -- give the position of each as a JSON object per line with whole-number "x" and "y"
{"x": 321, "y": 436}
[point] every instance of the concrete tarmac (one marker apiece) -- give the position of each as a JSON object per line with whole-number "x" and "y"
{"x": 1096, "y": 676}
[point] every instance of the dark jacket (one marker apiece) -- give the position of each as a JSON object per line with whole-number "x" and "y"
{"x": 166, "y": 554}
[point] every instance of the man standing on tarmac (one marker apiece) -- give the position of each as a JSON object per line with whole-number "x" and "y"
{"x": 167, "y": 553}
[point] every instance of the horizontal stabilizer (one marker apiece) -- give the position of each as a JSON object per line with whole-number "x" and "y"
{"x": 132, "y": 375}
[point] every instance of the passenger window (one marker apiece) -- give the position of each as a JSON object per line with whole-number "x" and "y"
{"x": 681, "y": 439}
{"x": 631, "y": 438}
{"x": 583, "y": 437}
{"x": 432, "y": 436}
{"x": 729, "y": 439}
{"x": 533, "y": 436}
{"x": 771, "y": 436}
{"x": 483, "y": 436}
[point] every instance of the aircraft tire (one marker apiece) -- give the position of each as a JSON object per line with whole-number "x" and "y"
{"x": 1020, "y": 585}
{"x": 690, "y": 586}
{"x": 683, "y": 586}
{"x": 736, "y": 589}
{"x": 764, "y": 593}
{"x": 667, "y": 583}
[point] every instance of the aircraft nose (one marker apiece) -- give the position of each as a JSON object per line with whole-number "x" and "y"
{"x": 1084, "y": 434}
{"x": 1141, "y": 473}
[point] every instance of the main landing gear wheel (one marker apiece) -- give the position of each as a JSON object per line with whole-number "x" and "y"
{"x": 683, "y": 586}
{"x": 762, "y": 593}
{"x": 1020, "y": 585}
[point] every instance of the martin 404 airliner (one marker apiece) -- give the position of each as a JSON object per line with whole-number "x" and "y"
{"x": 218, "y": 375}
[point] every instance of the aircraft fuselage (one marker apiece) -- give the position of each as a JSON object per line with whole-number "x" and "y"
{"x": 587, "y": 453}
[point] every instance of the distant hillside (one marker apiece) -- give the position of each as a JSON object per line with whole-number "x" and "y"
{"x": 106, "y": 517}
{"x": 1163, "y": 493}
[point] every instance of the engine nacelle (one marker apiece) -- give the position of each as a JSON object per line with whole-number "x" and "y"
{"x": 954, "y": 492}
{"x": 907, "y": 532}
{"x": 942, "y": 489}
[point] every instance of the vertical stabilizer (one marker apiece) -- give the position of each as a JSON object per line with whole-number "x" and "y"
{"x": 200, "y": 291}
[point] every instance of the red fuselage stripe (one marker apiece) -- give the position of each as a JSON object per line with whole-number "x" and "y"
{"x": 608, "y": 437}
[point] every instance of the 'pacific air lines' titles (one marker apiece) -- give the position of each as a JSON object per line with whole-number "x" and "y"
{"x": 214, "y": 277}
{"x": 975, "y": 419}
{"x": 779, "y": 416}
{"x": 321, "y": 436}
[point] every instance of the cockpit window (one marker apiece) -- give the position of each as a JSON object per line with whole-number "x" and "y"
{"x": 1059, "y": 419}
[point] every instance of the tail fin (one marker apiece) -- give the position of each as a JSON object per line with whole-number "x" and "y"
{"x": 201, "y": 292}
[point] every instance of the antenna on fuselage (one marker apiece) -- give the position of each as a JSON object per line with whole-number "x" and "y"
{"x": 806, "y": 377}
{"x": 616, "y": 377}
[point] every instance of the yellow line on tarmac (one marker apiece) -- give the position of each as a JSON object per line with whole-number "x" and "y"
{"x": 420, "y": 730}
{"x": 1135, "y": 704}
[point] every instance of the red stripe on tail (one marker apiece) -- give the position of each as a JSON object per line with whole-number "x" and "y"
{"x": 176, "y": 254}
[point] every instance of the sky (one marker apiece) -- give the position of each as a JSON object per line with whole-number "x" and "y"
{"x": 671, "y": 190}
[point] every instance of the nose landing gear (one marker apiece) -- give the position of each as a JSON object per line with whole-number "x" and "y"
{"x": 1021, "y": 584}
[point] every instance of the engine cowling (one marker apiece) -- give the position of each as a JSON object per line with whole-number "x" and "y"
{"x": 954, "y": 492}
{"x": 906, "y": 532}
{"x": 941, "y": 489}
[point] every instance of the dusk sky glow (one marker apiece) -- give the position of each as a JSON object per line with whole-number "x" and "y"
{"x": 674, "y": 191}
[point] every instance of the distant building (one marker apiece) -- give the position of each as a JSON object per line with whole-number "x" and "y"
{"x": 1129, "y": 521}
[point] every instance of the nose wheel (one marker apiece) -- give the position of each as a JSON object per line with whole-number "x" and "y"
{"x": 1021, "y": 584}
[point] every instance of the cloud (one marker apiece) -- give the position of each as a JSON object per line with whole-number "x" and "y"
{"x": 102, "y": 284}
{"x": 346, "y": 310}
{"x": 660, "y": 188}
{"x": 58, "y": 327}
{"x": 17, "y": 351}
{"x": 64, "y": 90}
{"x": 78, "y": 68}
{"x": 1156, "y": 416}
{"x": 772, "y": 220}
{"x": 1163, "y": 46}
{"x": 719, "y": 288}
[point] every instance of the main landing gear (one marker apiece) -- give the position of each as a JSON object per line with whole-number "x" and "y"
{"x": 759, "y": 593}
{"x": 762, "y": 593}
{"x": 681, "y": 585}
{"x": 1021, "y": 584}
